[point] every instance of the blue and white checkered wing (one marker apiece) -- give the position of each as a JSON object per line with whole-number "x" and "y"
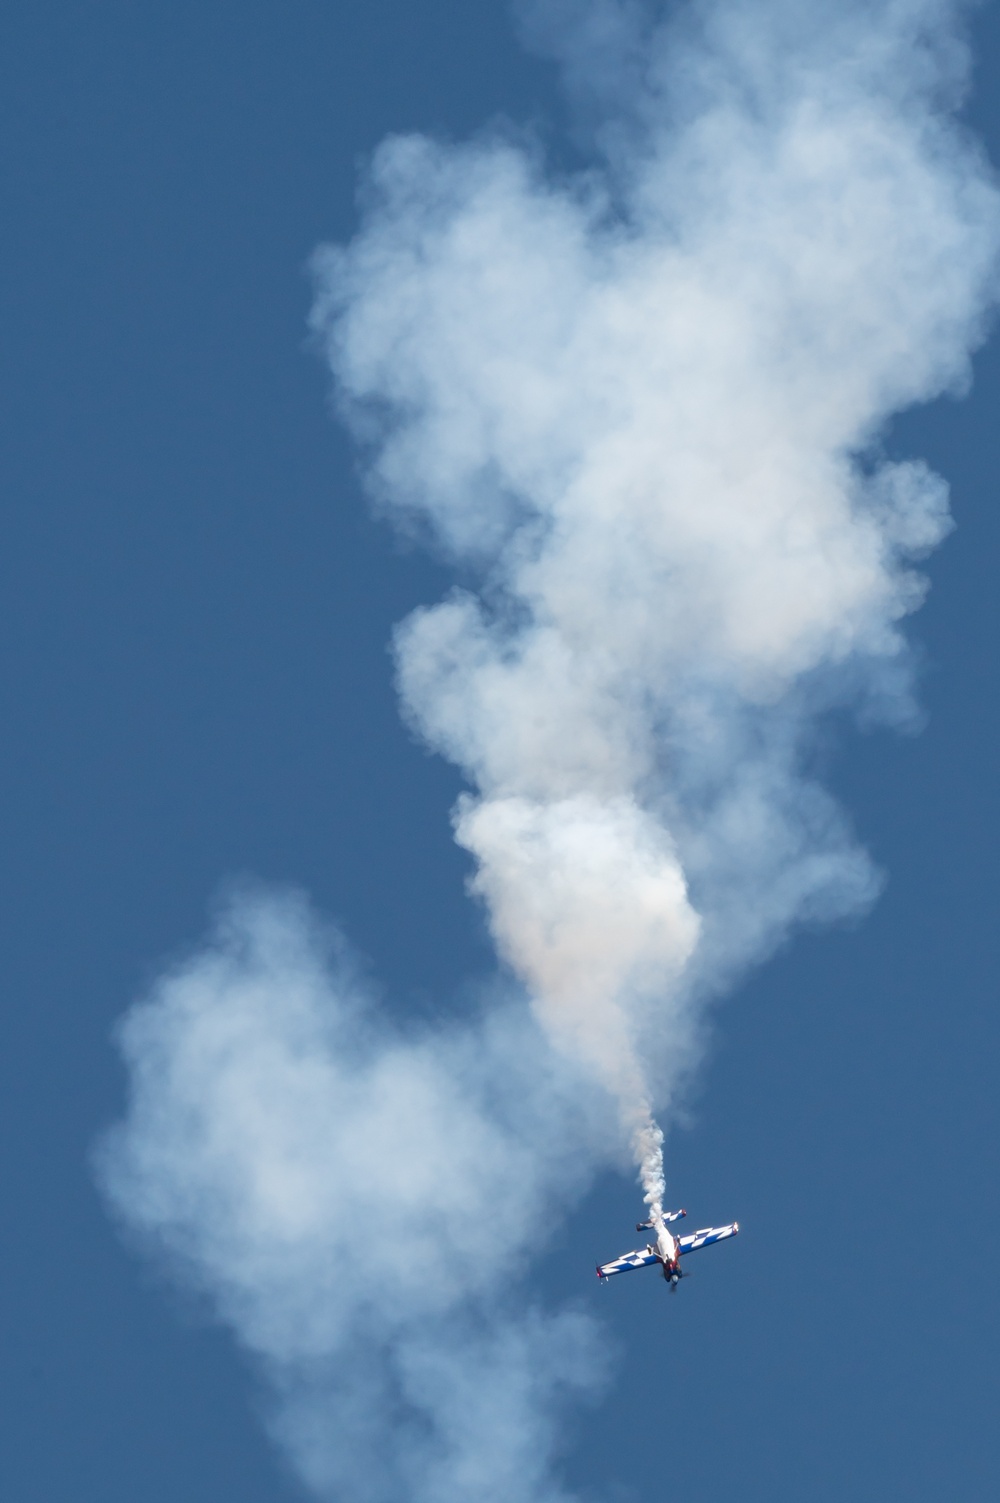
{"x": 706, "y": 1237}
{"x": 628, "y": 1260}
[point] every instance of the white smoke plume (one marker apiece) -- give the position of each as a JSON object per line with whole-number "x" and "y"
{"x": 639, "y": 406}
{"x": 357, "y": 1203}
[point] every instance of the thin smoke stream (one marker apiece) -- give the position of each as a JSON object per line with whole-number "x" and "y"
{"x": 639, "y": 408}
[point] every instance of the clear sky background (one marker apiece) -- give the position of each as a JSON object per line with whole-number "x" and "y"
{"x": 194, "y": 682}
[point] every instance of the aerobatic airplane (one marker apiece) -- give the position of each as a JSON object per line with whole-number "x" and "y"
{"x": 668, "y": 1249}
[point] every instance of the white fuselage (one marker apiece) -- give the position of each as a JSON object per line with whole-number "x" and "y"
{"x": 666, "y": 1243}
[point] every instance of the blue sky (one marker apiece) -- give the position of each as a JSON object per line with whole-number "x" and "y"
{"x": 196, "y": 685}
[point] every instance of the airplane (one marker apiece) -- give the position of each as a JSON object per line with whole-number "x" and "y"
{"x": 668, "y": 1249}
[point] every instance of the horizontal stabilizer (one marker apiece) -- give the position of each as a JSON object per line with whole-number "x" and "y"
{"x": 650, "y": 1226}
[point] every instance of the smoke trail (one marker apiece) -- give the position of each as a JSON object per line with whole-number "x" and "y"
{"x": 639, "y": 408}
{"x": 357, "y": 1202}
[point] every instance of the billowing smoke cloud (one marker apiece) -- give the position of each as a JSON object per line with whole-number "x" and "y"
{"x": 357, "y": 1202}
{"x": 634, "y": 404}
{"x": 639, "y": 407}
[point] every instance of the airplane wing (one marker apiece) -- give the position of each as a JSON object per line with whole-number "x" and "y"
{"x": 705, "y": 1238}
{"x": 628, "y": 1260}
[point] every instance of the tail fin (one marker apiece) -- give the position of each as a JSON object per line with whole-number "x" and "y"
{"x": 650, "y": 1226}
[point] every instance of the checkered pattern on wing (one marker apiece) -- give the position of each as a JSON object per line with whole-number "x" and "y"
{"x": 706, "y": 1237}
{"x": 628, "y": 1260}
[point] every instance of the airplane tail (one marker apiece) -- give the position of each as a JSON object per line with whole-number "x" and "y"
{"x": 650, "y": 1226}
